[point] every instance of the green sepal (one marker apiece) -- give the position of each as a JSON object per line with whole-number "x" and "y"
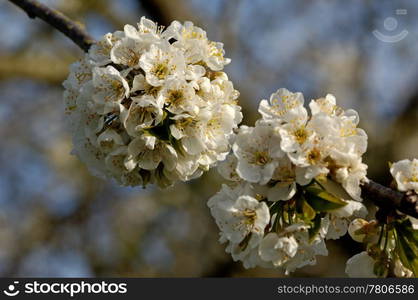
{"x": 380, "y": 269}
{"x": 321, "y": 200}
{"x": 276, "y": 207}
{"x": 162, "y": 130}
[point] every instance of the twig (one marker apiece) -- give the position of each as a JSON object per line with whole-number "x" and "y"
{"x": 58, "y": 20}
{"x": 387, "y": 198}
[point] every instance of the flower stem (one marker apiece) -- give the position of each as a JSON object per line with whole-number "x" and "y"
{"x": 379, "y": 242}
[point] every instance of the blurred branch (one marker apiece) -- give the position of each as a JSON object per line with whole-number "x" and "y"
{"x": 43, "y": 68}
{"x": 57, "y": 20}
{"x": 164, "y": 11}
{"x": 386, "y": 198}
{"x": 155, "y": 11}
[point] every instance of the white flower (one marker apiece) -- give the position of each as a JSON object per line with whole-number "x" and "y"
{"x": 147, "y": 152}
{"x": 240, "y": 217}
{"x": 351, "y": 176}
{"x": 257, "y": 149}
{"x": 227, "y": 168}
{"x": 180, "y": 97}
{"x": 127, "y": 51}
{"x": 340, "y": 218}
{"x": 307, "y": 252}
{"x": 80, "y": 73}
{"x": 144, "y": 112}
{"x": 148, "y": 31}
{"x": 141, "y": 87}
{"x": 284, "y": 106}
{"x": 222, "y": 119}
{"x": 360, "y": 265}
{"x": 405, "y": 172}
{"x": 188, "y": 167}
{"x": 115, "y": 161}
{"x": 109, "y": 87}
{"x": 295, "y": 134}
{"x": 327, "y": 105}
{"x": 197, "y": 47}
{"x": 285, "y": 178}
{"x": 277, "y": 249}
{"x": 190, "y": 132}
{"x": 292, "y": 248}
{"x": 249, "y": 255}
{"x": 195, "y": 74}
{"x": 109, "y": 140}
{"x": 161, "y": 63}
{"x": 242, "y": 220}
{"x": 100, "y": 52}
{"x": 355, "y": 138}
{"x": 307, "y": 249}
{"x": 148, "y": 105}
{"x": 356, "y": 225}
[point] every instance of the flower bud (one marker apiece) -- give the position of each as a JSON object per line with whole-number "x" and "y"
{"x": 355, "y": 225}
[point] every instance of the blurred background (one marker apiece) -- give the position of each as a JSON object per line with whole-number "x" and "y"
{"x": 57, "y": 220}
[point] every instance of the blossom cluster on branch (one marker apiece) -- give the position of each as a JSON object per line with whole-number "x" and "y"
{"x": 392, "y": 240}
{"x": 294, "y": 182}
{"x": 148, "y": 105}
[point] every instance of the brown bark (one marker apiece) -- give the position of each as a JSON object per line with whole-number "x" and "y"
{"x": 389, "y": 199}
{"x": 56, "y": 19}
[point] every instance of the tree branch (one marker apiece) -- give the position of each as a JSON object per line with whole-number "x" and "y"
{"x": 387, "y": 198}
{"x": 155, "y": 12}
{"x": 58, "y": 20}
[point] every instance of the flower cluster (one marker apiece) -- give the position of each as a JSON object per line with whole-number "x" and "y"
{"x": 392, "y": 241}
{"x": 294, "y": 182}
{"x": 152, "y": 105}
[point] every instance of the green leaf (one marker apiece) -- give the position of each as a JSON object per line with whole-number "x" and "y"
{"x": 276, "y": 209}
{"x": 177, "y": 146}
{"x": 333, "y": 188}
{"x": 407, "y": 244}
{"x": 321, "y": 200}
{"x": 162, "y": 130}
{"x": 405, "y": 226}
{"x": 406, "y": 253}
{"x": 303, "y": 208}
{"x": 316, "y": 225}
